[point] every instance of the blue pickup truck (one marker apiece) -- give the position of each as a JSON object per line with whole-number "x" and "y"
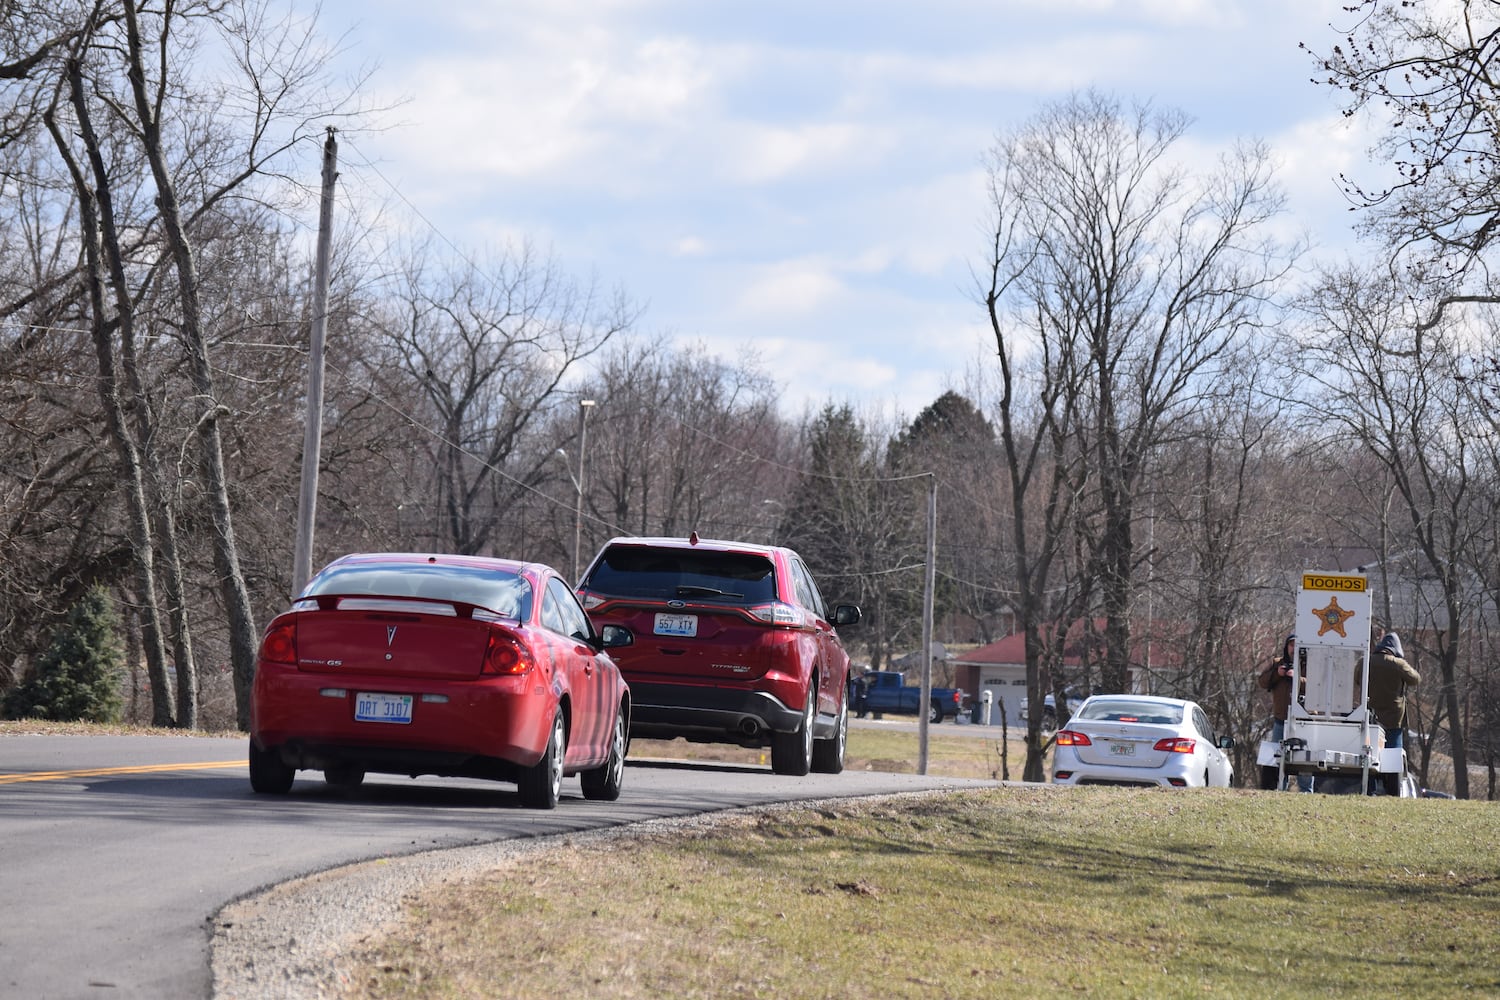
{"x": 879, "y": 691}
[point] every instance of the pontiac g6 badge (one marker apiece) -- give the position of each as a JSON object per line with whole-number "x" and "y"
{"x": 390, "y": 637}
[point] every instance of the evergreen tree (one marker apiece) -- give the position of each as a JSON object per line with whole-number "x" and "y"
{"x": 859, "y": 530}
{"x": 951, "y": 439}
{"x": 78, "y": 676}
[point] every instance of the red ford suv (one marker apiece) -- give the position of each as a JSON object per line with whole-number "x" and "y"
{"x": 732, "y": 644}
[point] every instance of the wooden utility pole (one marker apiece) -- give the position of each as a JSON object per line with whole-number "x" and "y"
{"x": 312, "y": 441}
{"x": 583, "y": 443}
{"x": 929, "y": 586}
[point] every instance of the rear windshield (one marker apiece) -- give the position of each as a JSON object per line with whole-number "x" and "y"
{"x": 685, "y": 574}
{"x": 1121, "y": 710}
{"x": 506, "y": 594}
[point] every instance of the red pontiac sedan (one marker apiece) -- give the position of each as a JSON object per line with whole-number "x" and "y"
{"x": 404, "y": 663}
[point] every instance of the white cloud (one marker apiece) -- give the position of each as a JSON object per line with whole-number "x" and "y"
{"x": 1211, "y": 13}
{"x": 813, "y": 177}
{"x": 790, "y": 288}
{"x": 1313, "y": 154}
{"x": 813, "y": 371}
{"x": 758, "y": 153}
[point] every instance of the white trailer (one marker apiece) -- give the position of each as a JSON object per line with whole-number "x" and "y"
{"x": 1330, "y": 731}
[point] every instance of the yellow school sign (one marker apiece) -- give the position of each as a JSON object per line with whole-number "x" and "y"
{"x": 1336, "y": 582}
{"x": 1333, "y": 609}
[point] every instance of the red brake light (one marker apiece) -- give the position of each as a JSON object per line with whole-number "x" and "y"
{"x": 1072, "y": 738}
{"x": 280, "y": 644}
{"x": 504, "y": 657}
{"x": 1175, "y": 744}
{"x": 776, "y": 613}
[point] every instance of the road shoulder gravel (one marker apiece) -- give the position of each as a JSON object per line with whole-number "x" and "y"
{"x": 291, "y": 941}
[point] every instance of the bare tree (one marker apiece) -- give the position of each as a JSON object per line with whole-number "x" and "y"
{"x": 1392, "y": 386}
{"x": 1483, "y": 559}
{"x": 104, "y": 269}
{"x": 1223, "y": 509}
{"x": 490, "y": 350}
{"x": 158, "y": 146}
{"x": 1131, "y": 281}
{"x": 682, "y": 441}
{"x": 1426, "y": 70}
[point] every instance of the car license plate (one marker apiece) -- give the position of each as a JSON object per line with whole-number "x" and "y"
{"x": 382, "y": 708}
{"x": 1122, "y": 749}
{"x": 676, "y": 624}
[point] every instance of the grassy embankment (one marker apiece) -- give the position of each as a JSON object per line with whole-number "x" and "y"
{"x": 876, "y": 749}
{"x": 1012, "y": 892}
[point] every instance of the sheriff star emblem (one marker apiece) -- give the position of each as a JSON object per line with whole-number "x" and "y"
{"x": 1332, "y": 618}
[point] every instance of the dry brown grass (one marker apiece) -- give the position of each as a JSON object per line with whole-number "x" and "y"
{"x": 1014, "y": 892}
{"x": 874, "y": 749}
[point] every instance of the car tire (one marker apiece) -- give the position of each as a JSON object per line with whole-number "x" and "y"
{"x": 791, "y": 753}
{"x": 934, "y": 712}
{"x": 1049, "y": 722}
{"x": 541, "y": 784}
{"x": 603, "y": 784}
{"x": 269, "y": 774}
{"x": 828, "y": 755}
{"x": 344, "y": 777}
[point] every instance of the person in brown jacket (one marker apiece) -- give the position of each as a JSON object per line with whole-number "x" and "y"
{"x": 1276, "y": 678}
{"x": 1390, "y": 676}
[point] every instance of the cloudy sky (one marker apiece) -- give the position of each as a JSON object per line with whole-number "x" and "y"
{"x": 801, "y": 182}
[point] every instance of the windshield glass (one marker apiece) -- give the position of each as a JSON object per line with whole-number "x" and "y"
{"x": 506, "y": 594}
{"x": 1130, "y": 710}
{"x": 641, "y": 571}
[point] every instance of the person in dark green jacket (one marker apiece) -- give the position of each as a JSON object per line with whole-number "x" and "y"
{"x": 1390, "y": 676}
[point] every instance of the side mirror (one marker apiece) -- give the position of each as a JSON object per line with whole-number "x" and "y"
{"x": 615, "y": 636}
{"x": 1226, "y": 742}
{"x": 846, "y": 614}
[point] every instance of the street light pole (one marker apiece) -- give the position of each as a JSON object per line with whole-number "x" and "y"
{"x": 583, "y": 437}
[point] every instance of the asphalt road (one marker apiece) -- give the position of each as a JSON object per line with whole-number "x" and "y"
{"x": 116, "y": 851}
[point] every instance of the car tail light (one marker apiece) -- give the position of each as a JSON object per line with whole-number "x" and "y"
{"x": 777, "y": 613}
{"x": 280, "y": 644}
{"x": 1072, "y": 738}
{"x": 1175, "y": 744}
{"x": 504, "y": 657}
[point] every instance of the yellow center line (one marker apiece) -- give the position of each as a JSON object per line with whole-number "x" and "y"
{"x": 97, "y": 772}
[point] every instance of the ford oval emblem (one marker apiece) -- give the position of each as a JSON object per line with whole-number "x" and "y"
{"x": 676, "y": 604}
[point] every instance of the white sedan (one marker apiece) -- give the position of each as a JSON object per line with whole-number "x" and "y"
{"x": 1130, "y": 739}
